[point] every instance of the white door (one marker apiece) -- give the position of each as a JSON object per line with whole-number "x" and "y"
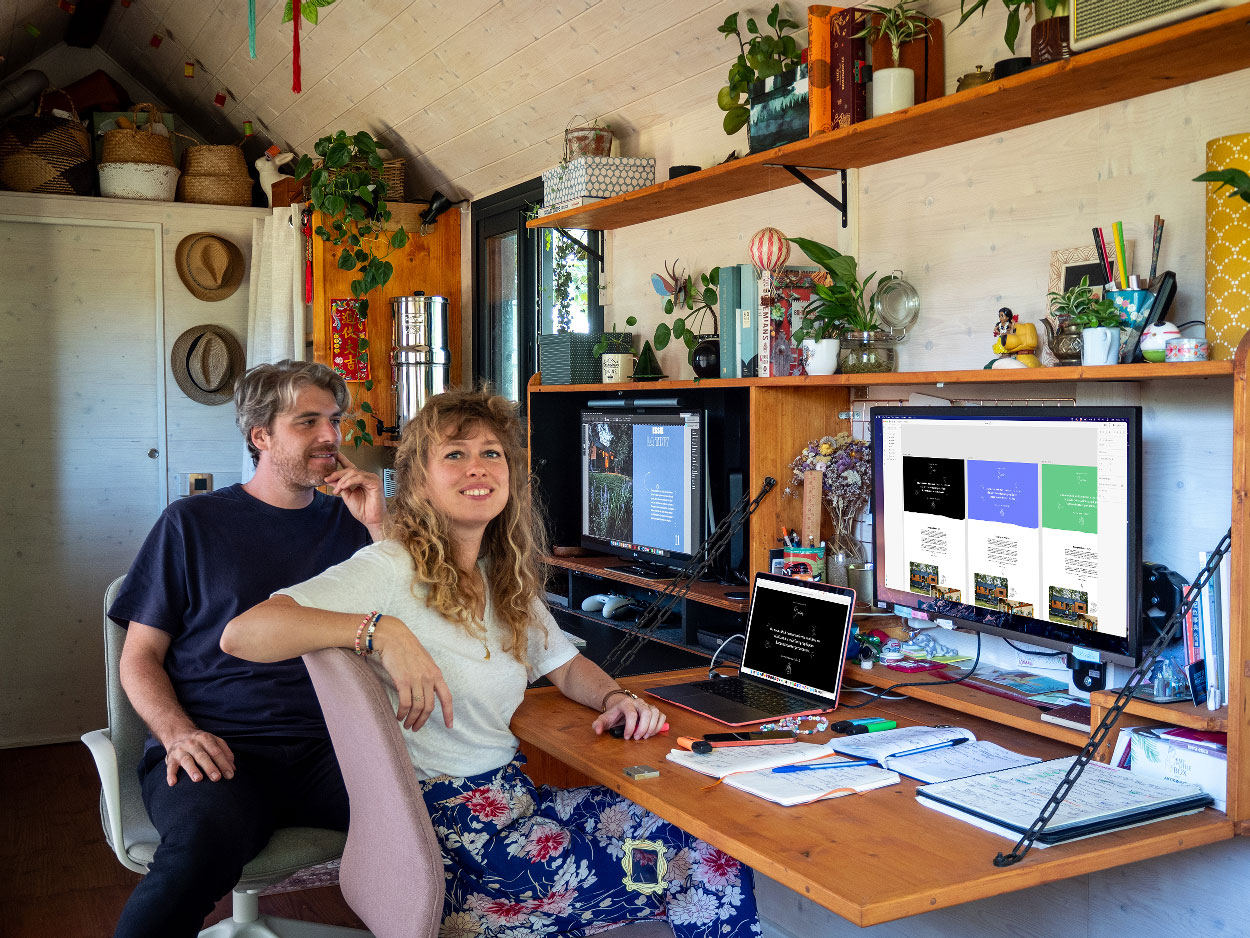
{"x": 82, "y": 484}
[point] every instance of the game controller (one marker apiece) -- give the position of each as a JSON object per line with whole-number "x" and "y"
{"x": 621, "y": 604}
{"x": 596, "y": 602}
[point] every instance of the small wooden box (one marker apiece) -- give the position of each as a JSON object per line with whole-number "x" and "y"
{"x": 288, "y": 191}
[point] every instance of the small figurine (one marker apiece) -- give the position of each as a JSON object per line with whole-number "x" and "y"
{"x": 1015, "y": 341}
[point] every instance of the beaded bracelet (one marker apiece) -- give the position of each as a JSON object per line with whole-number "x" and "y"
{"x": 793, "y": 723}
{"x": 377, "y": 617}
{"x": 603, "y": 706}
{"x": 360, "y": 630}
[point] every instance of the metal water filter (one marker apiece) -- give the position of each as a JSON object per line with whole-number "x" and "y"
{"x": 420, "y": 359}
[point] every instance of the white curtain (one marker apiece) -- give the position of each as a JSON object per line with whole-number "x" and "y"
{"x": 275, "y": 309}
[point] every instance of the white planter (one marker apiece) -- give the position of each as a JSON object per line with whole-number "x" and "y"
{"x": 820, "y": 356}
{"x": 892, "y": 90}
{"x": 150, "y": 181}
{"x": 1100, "y": 346}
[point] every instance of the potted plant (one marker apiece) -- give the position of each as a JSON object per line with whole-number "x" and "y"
{"x": 1082, "y": 305}
{"x": 704, "y": 349}
{"x": 864, "y": 346}
{"x": 1238, "y": 182}
{"x": 765, "y": 56}
{"x": 1054, "y": 12}
{"x": 893, "y": 88}
{"x": 615, "y": 351}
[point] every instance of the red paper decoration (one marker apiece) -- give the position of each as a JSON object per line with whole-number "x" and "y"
{"x": 769, "y": 250}
{"x": 188, "y": 69}
{"x": 346, "y": 331}
{"x": 295, "y": 68}
{"x": 66, "y": 6}
{"x": 155, "y": 41}
{"x": 219, "y": 99}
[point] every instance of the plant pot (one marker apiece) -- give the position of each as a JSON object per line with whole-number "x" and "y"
{"x": 1100, "y": 345}
{"x": 892, "y": 90}
{"x": 705, "y": 357}
{"x": 1004, "y": 68}
{"x": 867, "y": 353}
{"x": 779, "y": 112}
{"x": 1048, "y": 41}
{"x": 820, "y": 356}
{"x": 1065, "y": 344}
{"x": 587, "y": 141}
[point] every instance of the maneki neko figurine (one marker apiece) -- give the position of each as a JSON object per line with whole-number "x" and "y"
{"x": 1015, "y": 341}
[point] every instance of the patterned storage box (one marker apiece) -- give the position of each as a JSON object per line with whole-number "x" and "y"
{"x": 568, "y": 358}
{"x": 597, "y": 177}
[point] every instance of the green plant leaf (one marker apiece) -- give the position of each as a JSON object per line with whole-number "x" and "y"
{"x": 726, "y": 98}
{"x": 709, "y": 297}
{"x": 736, "y": 119}
{"x": 365, "y": 407}
{"x": 364, "y": 142}
{"x": 364, "y": 344}
{"x": 368, "y": 384}
{"x": 363, "y": 309}
{"x": 668, "y": 308}
{"x": 679, "y": 327}
{"x": 400, "y": 238}
{"x": 690, "y": 340}
{"x": 346, "y": 261}
{"x": 662, "y": 334}
{"x": 365, "y": 193}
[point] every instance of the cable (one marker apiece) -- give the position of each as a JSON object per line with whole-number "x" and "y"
{"x": 712, "y": 664}
{"x": 955, "y": 680}
{"x": 1040, "y": 654}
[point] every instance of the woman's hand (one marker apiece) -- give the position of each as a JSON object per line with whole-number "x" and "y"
{"x": 417, "y": 678}
{"x": 641, "y": 720}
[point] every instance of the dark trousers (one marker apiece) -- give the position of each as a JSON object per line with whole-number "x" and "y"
{"x": 211, "y": 830}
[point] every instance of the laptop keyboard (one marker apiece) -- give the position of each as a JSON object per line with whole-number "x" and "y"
{"x": 753, "y": 695}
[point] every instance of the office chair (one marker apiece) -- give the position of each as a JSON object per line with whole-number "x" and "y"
{"x": 134, "y": 840}
{"x": 392, "y": 869}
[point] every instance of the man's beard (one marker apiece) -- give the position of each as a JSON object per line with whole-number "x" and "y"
{"x": 294, "y": 471}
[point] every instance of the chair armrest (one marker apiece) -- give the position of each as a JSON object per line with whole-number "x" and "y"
{"x": 101, "y": 746}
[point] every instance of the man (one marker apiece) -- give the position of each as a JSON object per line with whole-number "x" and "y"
{"x": 238, "y": 749}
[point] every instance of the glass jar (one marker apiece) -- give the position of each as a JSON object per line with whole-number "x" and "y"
{"x": 867, "y": 353}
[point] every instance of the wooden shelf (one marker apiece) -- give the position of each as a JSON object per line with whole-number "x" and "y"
{"x": 711, "y": 594}
{"x": 1203, "y": 47}
{"x": 1174, "y": 714}
{"x": 1145, "y": 371}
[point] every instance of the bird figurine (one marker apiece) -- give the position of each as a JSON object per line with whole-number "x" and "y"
{"x": 671, "y": 285}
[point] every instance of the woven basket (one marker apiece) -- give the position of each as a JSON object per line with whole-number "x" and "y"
{"x": 42, "y": 153}
{"x": 393, "y": 176}
{"x": 138, "y": 144}
{"x": 215, "y": 190}
{"x": 225, "y": 160}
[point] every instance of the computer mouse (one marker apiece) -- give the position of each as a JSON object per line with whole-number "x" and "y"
{"x": 621, "y": 605}
{"x": 596, "y": 602}
{"x": 735, "y": 594}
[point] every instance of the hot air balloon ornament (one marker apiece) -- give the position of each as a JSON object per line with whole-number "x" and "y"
{"x": 769, "y": 250}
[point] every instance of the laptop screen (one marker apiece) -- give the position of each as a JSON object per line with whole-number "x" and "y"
{"x": 797, "y": 633}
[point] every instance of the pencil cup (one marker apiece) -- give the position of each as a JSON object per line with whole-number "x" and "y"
{"x": 1134, "y": 309}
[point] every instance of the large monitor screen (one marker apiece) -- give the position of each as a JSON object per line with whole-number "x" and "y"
{"x": 1022, "y": 521}
{"x": 642, "y": 485}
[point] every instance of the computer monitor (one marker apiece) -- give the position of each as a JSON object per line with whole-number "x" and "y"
{"x": 643, "y": 487}
{"x": 1024, "y": 521}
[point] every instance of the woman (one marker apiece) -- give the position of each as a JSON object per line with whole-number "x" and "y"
{"x": 463, "y": 626}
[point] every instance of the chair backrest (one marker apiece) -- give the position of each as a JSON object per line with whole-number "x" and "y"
{"x": 127, "y": 731}
{"x": 392, "y": 869}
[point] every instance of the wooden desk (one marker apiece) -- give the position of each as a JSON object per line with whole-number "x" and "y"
{"x": 870, "y": 858}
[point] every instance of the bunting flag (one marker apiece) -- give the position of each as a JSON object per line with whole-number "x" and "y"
{"x": 219, "y": 99}
{"x": 251, "y": 28}
{"x": 188, "y": 69}
{"x": 248, "y": 130}
{"x": 295, "y": 69}
{"x": 155, "y": 41}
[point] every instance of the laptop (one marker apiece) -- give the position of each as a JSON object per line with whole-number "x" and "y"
{"x": 796, "y": 638}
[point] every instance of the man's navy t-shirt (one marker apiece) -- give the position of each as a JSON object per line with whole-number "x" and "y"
{"x": 211, "y": 557}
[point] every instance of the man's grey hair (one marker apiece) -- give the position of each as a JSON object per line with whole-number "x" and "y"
{"x": 267, "y": 390}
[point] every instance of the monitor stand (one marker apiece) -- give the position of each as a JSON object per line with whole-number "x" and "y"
{"x": 646, "y": 571}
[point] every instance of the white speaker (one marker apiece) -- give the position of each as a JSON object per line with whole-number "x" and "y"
{"x": 1098, "y": 22}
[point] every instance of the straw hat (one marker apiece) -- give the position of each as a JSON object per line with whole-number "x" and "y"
{"x": 205, "y": 362}
{"x": 209, "y": 266}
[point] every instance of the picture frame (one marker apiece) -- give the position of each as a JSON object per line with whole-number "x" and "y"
{"x": 1069, "y": 265}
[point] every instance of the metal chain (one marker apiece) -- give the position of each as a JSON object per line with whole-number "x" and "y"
{"x": 1099, "y": 735}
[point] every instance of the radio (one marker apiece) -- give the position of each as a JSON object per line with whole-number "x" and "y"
{"x": 1098, "y": 22}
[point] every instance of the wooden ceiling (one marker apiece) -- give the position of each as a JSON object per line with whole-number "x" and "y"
{"x": 474, "y": 93}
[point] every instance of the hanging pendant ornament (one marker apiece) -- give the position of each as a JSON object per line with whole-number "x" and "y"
{"x": 306, "y": 228}
{"x": 251, "y": 29}
{"x": 769, "y": 250}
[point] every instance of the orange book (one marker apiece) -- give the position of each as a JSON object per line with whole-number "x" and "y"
{"x": 819, "y": 70}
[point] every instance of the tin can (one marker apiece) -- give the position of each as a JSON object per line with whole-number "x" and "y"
{"x": 1187, "y": 349}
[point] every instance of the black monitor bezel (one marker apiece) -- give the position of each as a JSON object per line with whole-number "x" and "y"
{"x": 1110, "y": 648}
{"x": 671, "y": 559}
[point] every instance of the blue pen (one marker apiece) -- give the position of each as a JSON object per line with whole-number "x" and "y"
{"x": 916, "y": 752}
{"x": 823, "y": 765}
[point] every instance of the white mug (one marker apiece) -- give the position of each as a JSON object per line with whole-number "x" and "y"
{"x": 1100, "y": 346}
{"x": 618, "y": 367}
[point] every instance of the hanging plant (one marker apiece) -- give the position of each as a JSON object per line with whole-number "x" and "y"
{"x": 307, "y": 7}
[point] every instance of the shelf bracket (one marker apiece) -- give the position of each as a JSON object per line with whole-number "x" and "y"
{"x": 798, "y": 173}
{"x": 583, "y": 245}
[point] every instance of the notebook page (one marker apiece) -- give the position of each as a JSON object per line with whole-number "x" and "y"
{"x": 725, "y": 759}
{"x": 877, "y": 746}
{"x": 793, "y": 788}
{"x": 974, "y": 758}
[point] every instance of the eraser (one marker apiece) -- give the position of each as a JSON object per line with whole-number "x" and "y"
{"x": 639, "y": 772}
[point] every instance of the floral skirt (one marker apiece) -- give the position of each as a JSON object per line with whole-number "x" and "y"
{"x": 522, "y": 861}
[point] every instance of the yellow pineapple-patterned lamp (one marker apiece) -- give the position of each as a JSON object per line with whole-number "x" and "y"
{"x": 1228, "y": 250}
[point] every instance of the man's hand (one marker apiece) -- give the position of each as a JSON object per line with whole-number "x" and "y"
{"x": 198, "y": 753}
{"x": 417, "y": 678}
{"x": 361, "y": 492}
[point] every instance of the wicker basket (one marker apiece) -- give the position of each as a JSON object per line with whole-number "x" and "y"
{"x": 393, "y": 176}
{"x": 139, "y": 145}
{"x": 42, "y": 153}
{"x": 215, "y": 190}
{"x": 225, "y": 160}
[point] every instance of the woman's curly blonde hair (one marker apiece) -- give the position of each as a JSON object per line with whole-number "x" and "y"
{"x": 515, "y": 541}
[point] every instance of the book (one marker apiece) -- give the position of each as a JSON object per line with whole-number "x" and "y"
{"x": 819, "y": 70}
{"x": 783, "y": 295}
{"x": 1154, "y": 752}
{"x": 724, "y": 760}
{"x": 971, "y": 758}
{"x": 1075, "y": 716}
{"x": 1103, "y": 799}
{"x": 748, "y": 322}
{"x": 847, "y": 57}
{"x": 794, "y": 788}
{"x": 1212, "y": 638}
{"x": 730, "y": 284}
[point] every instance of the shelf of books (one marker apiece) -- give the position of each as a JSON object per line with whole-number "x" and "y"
{"x": 1202, "y": 47}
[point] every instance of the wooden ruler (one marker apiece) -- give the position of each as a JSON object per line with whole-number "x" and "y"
{"x": 813, "y": 488}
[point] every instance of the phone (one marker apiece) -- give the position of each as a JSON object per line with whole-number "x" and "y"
{"x": 749, "y": 739}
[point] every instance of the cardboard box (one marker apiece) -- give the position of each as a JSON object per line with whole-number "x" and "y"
{"x": 597, "y": 177}
{"x": 1152, "y": 752}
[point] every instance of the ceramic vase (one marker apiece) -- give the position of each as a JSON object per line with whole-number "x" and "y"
{"x": 820, "y": 356}
{"x": 1048, "y": 41}
{"x": 1100, "y": 346}
{"x": 705, "y": 357}
{"x": 892, "y": 90}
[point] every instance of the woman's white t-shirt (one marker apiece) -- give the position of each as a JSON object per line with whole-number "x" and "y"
{"x": 485, "y": 692}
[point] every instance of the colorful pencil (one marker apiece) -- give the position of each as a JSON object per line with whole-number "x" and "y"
{"x": 1103, "y": 254}
{"x": 1118, "y": 232}
{"x": 1154, "y": 249}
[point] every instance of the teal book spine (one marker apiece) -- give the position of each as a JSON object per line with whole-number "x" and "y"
{"x": 748, "y": 321}
{"x": 730, "y": 365}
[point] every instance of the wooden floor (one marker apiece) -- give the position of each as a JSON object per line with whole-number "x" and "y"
{"x": 57, "y": 875}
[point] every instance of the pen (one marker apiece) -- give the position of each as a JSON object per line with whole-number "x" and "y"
{"x": 914, "y": 752}
{"x": 1118, "y": 231}
{"x": 1102, "y": 252}
{"x": 1154, "y": 249}
{"x": 823, "y": 765}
